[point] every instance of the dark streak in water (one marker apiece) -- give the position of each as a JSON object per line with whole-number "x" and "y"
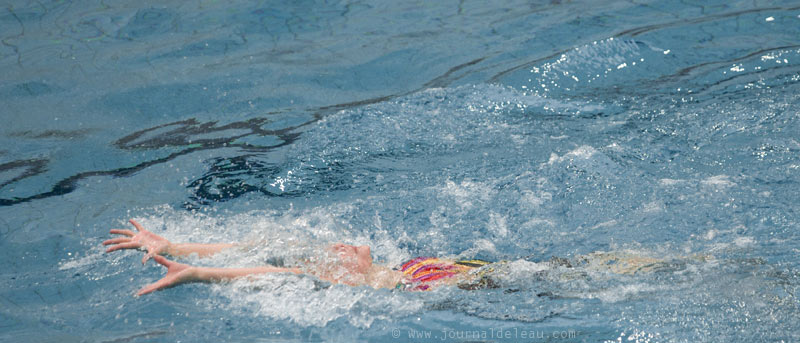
{"x": 61, "y": 134}
{"x": 440, "y": 81}
{"x": 185, "y": 129}
{"x": 5, "y": 41}
{"x": 32, "y": 167}
{"x": 446, "y": 79}
{"x": 640, "y": 30}
{"x": 339, "y": 107}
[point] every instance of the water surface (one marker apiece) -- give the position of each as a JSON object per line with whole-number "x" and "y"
{"x": 506, "y": 131}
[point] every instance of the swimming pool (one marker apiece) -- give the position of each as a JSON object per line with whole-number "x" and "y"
{"x": 514, "y": 131}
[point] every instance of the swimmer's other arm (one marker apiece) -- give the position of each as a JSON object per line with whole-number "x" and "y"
{"x": 201, "y": 249}
{"x": 157, "y": 245}
{"x": 179, "y": 273}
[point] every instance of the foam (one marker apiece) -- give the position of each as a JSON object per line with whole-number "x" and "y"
{"x": 624, "y": 292}
{"x": 467, "y": 192}
{"x": 720, "y": 181}
{"x": 670, "y": 182}
{"x": 583, "y": 152}
{"x": 498, "y": 225}
{"x": 94, "y": 256}
{"x": 308, "y": 302}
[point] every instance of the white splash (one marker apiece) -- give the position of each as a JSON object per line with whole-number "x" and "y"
{"x": 497, "y": 225}
{"x": 721, "y": 181}
{"x": 583, "y": 152}
{"x": 670, "y": 182}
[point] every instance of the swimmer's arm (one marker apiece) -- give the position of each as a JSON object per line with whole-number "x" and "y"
{"x": 224, "y": 274}
{"x": 178, "y": 273}
{"x": 201, "y": 249}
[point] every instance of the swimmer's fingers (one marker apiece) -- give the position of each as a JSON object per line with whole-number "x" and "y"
{"x": 131, "y": 245}
{"x": 150, "y": 254}
{"x": 156, "y": 248}
{"x": 163, "y": 283}
{"x": 177, "y": 273}
{"x": 163, "y": 261}
{"x": 117, "y": 240}
{"x": 138, "y": 226}
{"x": 128, "y": 233}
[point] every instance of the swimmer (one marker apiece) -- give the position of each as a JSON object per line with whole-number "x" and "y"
{"x": 352, "y": 265}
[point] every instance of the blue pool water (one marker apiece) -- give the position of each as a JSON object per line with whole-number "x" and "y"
{"x": 505, "y": 131}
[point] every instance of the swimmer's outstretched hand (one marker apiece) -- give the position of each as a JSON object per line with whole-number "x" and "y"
{"x": 177, "y": 273}
{"x": 154, "y": 244}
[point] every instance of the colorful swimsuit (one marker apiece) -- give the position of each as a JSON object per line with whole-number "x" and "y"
{"x": 419, "y": 273}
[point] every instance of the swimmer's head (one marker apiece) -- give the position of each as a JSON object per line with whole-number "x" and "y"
{"x": 357, "y": 259}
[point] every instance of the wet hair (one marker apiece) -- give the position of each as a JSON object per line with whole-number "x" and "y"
{"x": 483, "y": 282}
